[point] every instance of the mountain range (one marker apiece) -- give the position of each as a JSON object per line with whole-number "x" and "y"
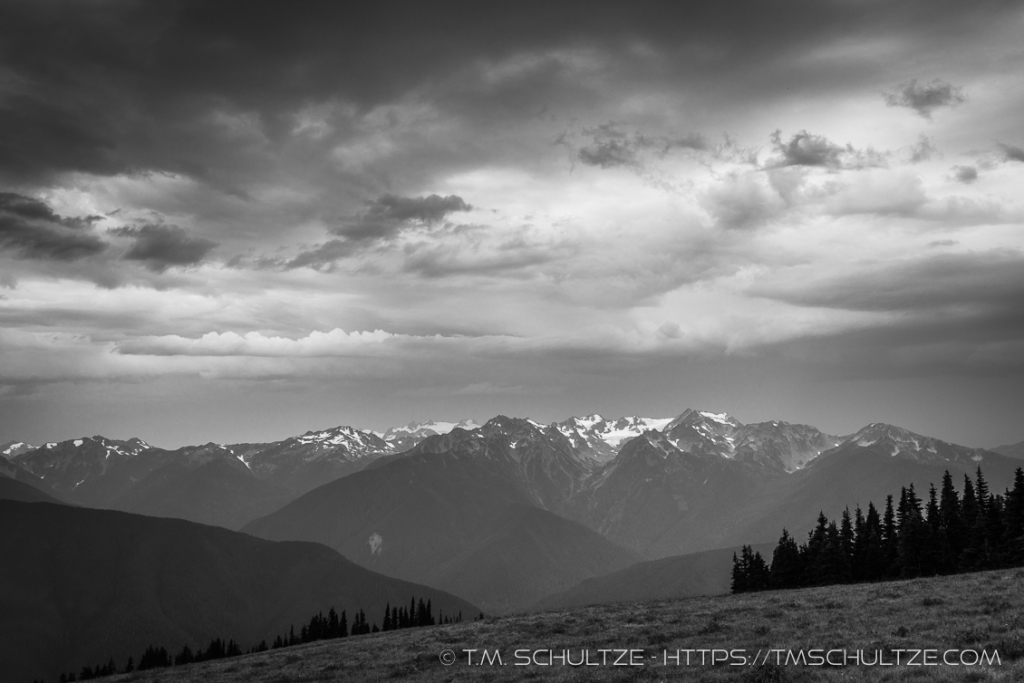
{"x": 511, "y": 511}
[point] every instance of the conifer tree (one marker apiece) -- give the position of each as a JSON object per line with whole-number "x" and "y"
{"x": 972, "y": 543}
{"x": 890, "y": 541}
{"x": 1014, "y": 520}
{"x": 184, "y": 657}
{"x": 935, "y": 554}
{"x": 952, "y": 523}
{"x": 910, "y": 533}
{"x": 786, "y": 570}
{"x": 739, "y": 575}
{"x": 759, "y": 573}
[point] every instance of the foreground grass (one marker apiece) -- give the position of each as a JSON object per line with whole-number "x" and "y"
{"x": 969, "y": 611}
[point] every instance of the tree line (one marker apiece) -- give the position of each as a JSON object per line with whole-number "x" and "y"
{"x": 950, "y": 533}
{"x": 320, "y": 627}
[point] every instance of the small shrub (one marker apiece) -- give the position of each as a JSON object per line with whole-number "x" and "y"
{"x": 901, "y": 632}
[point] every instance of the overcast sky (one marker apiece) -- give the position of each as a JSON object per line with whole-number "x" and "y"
{"x": 239, "y": 220}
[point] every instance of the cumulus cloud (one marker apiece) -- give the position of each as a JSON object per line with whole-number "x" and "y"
{"x": 806, "y": 149}
{"x": 162, "y": 246}
{"x": 31, "y": 229}
{"x": 925, "y": 98}
{"x": 965, "y": 174}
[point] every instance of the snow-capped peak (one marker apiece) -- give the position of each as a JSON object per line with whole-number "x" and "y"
{"x": 899, "y": 442}
{"x": 13, "y": 448}
{"x": 428, "y": 428}
{"x": 721, "y": 418}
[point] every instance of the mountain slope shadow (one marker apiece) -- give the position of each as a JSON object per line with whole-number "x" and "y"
{"x": 79, "y": 585}
{"x": 452, "y": 515}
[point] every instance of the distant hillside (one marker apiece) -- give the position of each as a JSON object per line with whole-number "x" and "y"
{"x": 80, "y": 585}
{"x": 1015, "y": 450}
{"x": 457, "y": 513}
{"x": 12, "y": 489}
{"x": 682, "y": 576}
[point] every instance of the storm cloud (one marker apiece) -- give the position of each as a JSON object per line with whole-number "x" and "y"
{"x": 390, "y": 167}
{"x": 160, "y": 247}
{"x": 389, "y": 214}
{"x": 1012, "y": 152}
{"x": 925, "y": 98}
{"x": 31, "y": 229}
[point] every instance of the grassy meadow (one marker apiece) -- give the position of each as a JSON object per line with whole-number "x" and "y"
{"x": 982, "y": 611}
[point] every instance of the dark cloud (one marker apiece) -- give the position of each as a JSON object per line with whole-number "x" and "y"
{"x": 1012, "y": 153}
{"x": 31, "y": 229}
{"x": 965, "y": 174}
{"x": 611, "y": 147}
{"x": 163, "y": 246}
{"x": 322, "y": 256}
{"x": 389, "y": 214}
{"x": 383, "y": 219}
{"x": 609, "y": 154}
{"x": 924, "y": 99}
{"x": 992, "y": 280}
{"x": 513, "y": 262}
{"x": 805, "y": 149}
{"x": 125, "y": 87}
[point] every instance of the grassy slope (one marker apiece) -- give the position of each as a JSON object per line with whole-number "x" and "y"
{"x": 984, "y": 610}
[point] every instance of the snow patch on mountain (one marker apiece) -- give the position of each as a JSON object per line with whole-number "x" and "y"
{"x": 13, "y": 448}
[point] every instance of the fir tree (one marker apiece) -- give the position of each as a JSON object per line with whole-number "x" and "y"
{"x": 184, "y": 657}
{"x": 972, "y": 544}
{"x": 1014, "y": 520}
{"x": 936, "y": 549}
{"x": 890, "y": 541}
{"x": 786, "y": 570}
{"x": 846, "y": 537}
{"x": 739, "y": 575}
{"x": 911, "y": 534}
